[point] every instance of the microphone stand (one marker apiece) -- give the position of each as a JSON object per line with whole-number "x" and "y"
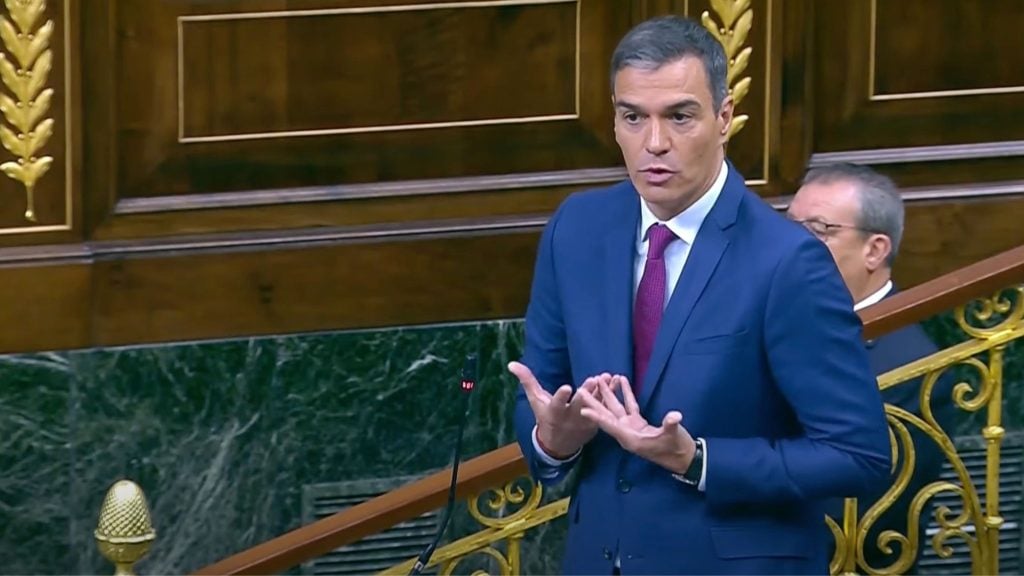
{"x": 467, "y": 384}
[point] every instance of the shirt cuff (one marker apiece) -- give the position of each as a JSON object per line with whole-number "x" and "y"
{"x": 703, "y": 465}
{"x": 547, "y": 458}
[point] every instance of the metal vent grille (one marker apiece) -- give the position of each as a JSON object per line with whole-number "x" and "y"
{"x": 1011, "y": 481}
{"x": 373, "y": 553}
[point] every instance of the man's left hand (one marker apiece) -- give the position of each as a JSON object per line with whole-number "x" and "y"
{"x": 668, "y": 445}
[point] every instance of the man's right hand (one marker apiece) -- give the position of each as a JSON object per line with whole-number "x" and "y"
{"x": 561, "y": 430}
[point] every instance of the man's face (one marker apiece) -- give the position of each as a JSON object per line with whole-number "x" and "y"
{"x": 830, "y": 210}
{"x": 672, "y": 140}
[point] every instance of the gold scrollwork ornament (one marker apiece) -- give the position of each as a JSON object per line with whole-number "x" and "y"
{"x": 504, "y": 564}
{"x": 1004, "y": 311}
{"x": 498, "y": 499}
{"x": 25, "y": 77}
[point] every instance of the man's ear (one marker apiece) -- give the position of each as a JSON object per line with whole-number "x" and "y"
{"x": 876, "y": 251}
{"x": 724, "y": 119}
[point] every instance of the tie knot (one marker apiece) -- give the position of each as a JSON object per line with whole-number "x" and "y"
{"x": 659, "y": 237}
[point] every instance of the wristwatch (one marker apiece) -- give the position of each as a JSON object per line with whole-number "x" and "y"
{"x": 693, "y": 473}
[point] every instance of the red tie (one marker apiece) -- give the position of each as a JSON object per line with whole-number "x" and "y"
{"x": 650, "y": 301}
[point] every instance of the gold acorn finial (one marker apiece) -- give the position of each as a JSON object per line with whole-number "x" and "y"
{"x": 125, "y": 532}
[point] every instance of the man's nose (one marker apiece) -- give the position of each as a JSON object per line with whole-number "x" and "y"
{"x": 657, "y": 142}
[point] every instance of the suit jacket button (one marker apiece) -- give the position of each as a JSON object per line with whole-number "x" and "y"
{"x": 624, "y": 486}
{"x": 607, "y": 553}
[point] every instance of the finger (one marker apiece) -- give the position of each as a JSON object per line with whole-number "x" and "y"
{"x": 627, "y": 396}
{"x": 590, "y": 385}
{"x": 672, "y": 420}
{"x": 605, "y": 421}
{"x": 611, "y": 425}
{"x": 611, "y": 401}
{"x": 585, "y": 400}
{"x": 534, "y": 391}
{"x": 561, "y": 397}
{"x": 594, "y": 382}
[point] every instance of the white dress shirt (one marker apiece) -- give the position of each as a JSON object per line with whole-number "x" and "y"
{"x": 685, "y": 226}
{"x": 874, "y": 298}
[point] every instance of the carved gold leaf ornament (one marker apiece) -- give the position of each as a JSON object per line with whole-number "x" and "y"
{"x": 25, "y": 77}
{"x": 736, "y": 21}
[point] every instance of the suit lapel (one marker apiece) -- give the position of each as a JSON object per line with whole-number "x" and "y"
{"x": 711, "y": 242}
{"x": 619, "y": 258}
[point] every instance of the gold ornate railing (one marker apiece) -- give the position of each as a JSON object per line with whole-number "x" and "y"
{"x": 989, "y": 324}
{"x": 503, "y": 524}
{"x": 480, "y": 475}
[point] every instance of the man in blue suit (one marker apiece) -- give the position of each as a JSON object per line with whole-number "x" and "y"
{"x": 858, "y": 214}
{"x": 689, "y": 351}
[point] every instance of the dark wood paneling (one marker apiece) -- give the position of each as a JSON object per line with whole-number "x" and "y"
{"x": 943, "y": 236}
{"x": 267, "y": 72}
{"x": 125, "y": 292}
{"x": 353, "y": 205}
{"x": 113, "y": 293}
{"x": 978, "y": 48}
{"x": 288, "y": 290}
{"x": 191, "y": 233}
{"x": 352, "y": 70}
{"x": 255, "y": 81}
{"x": 47, "y": 303}
{"x": 903, "y": 89}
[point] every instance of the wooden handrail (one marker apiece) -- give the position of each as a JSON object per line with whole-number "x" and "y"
{"x": 499, "y": 466}
{"x": 373, "y": 516}
{"x": 983, "y": 278}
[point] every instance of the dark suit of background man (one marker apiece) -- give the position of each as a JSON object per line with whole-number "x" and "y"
{"x": 708, "y": 338}
{"x": 858, "y": 214}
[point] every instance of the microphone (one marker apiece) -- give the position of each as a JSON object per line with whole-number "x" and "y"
{"x": 466, "y": 384}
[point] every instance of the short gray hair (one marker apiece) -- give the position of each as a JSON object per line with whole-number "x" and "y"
{"x": 659, "y": 41}
{"x": 881, "y": 207}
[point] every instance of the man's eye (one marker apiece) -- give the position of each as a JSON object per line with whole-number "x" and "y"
{"x": 631, "y": 117}
{"x": 679, "y": 118}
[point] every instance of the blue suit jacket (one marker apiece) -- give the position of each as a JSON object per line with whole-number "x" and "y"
{"x": 759, "y": 349}
{"x": 887, "y": 353}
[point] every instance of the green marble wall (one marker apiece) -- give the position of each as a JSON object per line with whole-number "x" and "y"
{"x": 222, "y": 436}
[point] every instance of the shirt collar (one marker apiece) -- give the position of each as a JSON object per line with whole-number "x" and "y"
{"x": 685, "y": 224}
{"x": 874, "y": 298}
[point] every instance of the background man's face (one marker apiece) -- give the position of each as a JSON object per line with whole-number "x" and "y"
{"x": 830, "y": 210}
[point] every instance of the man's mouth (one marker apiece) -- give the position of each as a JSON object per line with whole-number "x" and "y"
{"x": 657, "y": 175}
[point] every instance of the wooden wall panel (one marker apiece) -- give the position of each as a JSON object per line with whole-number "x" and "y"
{"x": 47, "y": 301}
{"x": 220, "y": 107}
{"x": 977, "y": 52}
{"x": 332, "y": 94}
{"x": 249, "y": 167}
{"x": 124, "y": 292}
{"x": 917, "y": 74}
{"x": 348, "y": 71}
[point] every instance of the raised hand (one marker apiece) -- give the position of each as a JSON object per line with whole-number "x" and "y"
{"x": 561, "y": 429}
{"x": 668, "y": 445}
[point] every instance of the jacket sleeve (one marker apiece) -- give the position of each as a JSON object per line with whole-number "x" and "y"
{"x": 546, "y": 351}
{"x": 817, "y": 358}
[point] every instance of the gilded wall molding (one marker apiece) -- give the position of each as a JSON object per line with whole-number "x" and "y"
{"x": 737, "y": 18}
{"x": 26, "y": 131}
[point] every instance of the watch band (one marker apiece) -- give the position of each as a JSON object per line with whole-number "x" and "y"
{"x": 693, "y": 473}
